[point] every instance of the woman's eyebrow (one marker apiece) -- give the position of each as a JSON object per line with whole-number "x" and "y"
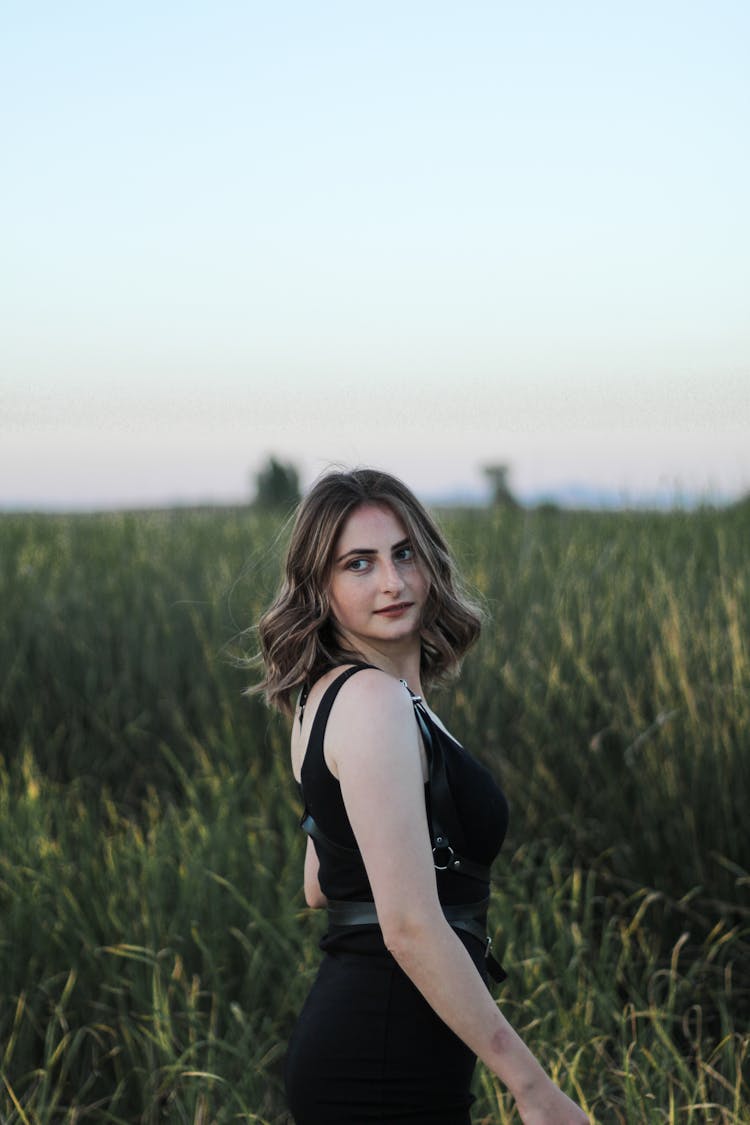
{"x": 372, "y": 550}
{"x": 357, "y": 551}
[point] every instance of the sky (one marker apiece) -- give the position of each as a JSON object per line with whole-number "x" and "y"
{"x": 425, "y": 236}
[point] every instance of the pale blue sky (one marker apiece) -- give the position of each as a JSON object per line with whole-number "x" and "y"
{"x": 420, "y": 235}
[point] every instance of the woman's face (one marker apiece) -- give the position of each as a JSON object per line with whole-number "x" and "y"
{"x": 378, "y": 589}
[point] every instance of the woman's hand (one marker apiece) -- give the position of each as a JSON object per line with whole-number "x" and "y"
{"x": 546, "y": 1104}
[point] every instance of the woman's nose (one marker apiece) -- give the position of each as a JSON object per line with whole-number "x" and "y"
{"x": 392, "y": 578}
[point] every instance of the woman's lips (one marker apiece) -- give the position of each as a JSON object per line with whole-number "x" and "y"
{"x": 394, "y": 610}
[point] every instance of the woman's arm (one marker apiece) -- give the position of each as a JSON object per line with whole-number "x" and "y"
{"x": 314, "y": 897}
{"x": 373, "y": 745}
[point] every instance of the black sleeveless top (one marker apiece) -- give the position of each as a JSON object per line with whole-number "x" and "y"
{"x": 479, "y": 802}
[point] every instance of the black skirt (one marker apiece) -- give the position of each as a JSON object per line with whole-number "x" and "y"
{"x": 368, "y": 1047}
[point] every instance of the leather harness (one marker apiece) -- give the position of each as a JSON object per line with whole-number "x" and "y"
{"x": 446, "y": 837}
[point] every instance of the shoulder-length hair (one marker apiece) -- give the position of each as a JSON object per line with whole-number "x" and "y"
{"x": 298, "y": 639}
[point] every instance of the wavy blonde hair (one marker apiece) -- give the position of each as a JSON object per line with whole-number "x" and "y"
{"x": 298, "y": 641}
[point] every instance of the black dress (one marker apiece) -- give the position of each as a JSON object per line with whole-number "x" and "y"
{"x": 367, "y": 1046}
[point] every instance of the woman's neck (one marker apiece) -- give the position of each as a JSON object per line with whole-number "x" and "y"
{"x": 404, "y": 665}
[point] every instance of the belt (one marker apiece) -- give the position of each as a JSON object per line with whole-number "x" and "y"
{"x": 471, "y": 917}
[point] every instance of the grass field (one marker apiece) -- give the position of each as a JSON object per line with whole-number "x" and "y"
{"x": 154, "y": 945}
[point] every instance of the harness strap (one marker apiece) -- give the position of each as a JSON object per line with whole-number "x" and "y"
{"x": 308, "y": 825}
{"x": 471, "y": 917}
{"x": 447, "y": 837}
{"x": 447, "y": 840}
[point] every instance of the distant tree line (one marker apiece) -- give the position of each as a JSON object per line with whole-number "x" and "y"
{"x": 501, "y": 495}
{"x": 276, "y": 486}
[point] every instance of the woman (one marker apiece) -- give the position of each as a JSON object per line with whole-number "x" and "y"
{"x": 402, "y": 822}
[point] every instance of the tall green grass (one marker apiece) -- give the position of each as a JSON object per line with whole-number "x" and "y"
{"x": 154, "y": 947}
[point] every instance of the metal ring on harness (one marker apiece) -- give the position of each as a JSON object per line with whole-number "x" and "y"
{"x": 442, "y": 845}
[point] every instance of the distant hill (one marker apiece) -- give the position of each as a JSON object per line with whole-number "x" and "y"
{"x": 574, "y": 494}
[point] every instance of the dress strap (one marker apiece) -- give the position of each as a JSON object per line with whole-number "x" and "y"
{"x": 315, "y": 745}
{"x": 315, "y": 741}
{"x": 326, "y": 703}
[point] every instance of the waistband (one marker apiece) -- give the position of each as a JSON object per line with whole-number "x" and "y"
{"x": 470, "y": 917}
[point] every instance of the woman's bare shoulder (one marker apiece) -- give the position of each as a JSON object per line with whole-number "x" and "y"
{"x": 373, "y": 714}
{"x": 370, "y": 692}
{"x": 370, "y": 697}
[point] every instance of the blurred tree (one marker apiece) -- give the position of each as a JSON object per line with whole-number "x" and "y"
{"x": 276, "y": 485}
{"x": 497, "y": 475}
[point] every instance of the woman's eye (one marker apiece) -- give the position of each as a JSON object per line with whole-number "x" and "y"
{"x": 404, "y": 554}
{"x": 357, "y": 565}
